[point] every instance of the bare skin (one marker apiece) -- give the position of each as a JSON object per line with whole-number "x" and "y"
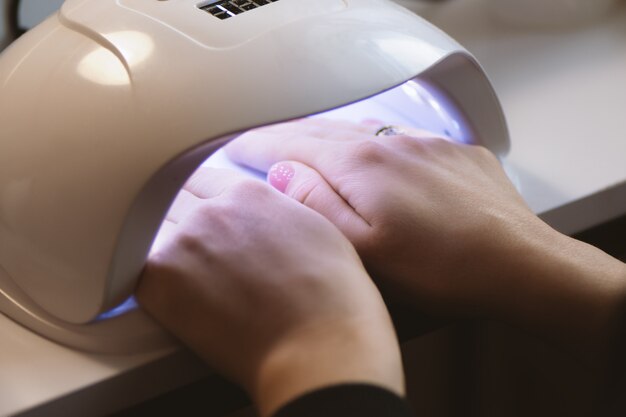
{"x": 440, "y": 224}
{"x": 269, "y": 293}
{"x": 269, "y": 289}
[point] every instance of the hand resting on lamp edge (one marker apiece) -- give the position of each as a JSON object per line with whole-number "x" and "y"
{"x": 270, "y": 294}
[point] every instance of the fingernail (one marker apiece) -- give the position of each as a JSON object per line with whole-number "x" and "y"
{"x": 280, "y": 175}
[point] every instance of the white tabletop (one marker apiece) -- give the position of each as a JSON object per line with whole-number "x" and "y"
{"x": 564, "y": 94}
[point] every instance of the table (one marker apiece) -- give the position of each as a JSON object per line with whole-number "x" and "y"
{"x": 564, "y": 94}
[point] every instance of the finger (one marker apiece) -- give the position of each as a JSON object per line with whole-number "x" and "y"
{"x": 309, "y": 187}
{"x": 338, "y": 124}
{"x": 163, "y": 237}
{"x": 321, "y": 127}
{"x": 421, "y": 133}
{"x": 260, "y": 150}
{"x": 245, "y": 149}
{"x": 209, "y": 182}
{"x": 411, "y": 140}
{"x": 408, "y": 131}
{"x": 372, "y": 124}
{"x": 182, "y": 205}
{"x": 311, "y": 141}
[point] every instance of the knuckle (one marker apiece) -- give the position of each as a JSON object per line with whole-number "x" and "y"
{"x": 369, "y": 152}
{"x": 486, "y": 153}
{"x": 406, "y": 141}
{"x": 207, "y": 210}
{"x": 381, "y": 241}
{"x": 188, "y": 241}
{"x": 440, "y": 145}
{"x": 250, "y": 187}
{"x": 425, "y": 146}
{"x": 304, "y": 191}
{"x": 159, "y": 283}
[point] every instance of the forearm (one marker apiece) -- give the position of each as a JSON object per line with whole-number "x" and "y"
{"x": 324, "y": 357}
{"x": 566, "y": 291}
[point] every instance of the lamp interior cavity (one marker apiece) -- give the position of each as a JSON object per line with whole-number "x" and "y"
{"x": 414, "y": 104}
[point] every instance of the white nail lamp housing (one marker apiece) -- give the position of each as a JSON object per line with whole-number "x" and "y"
{"x": 109, "y": 105}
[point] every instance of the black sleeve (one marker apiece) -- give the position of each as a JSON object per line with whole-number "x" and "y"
{"x": 358, "y": 400}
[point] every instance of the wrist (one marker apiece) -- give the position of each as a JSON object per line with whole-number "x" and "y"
{"x": 562, "y": 290}
{"x": 321, "y": 355}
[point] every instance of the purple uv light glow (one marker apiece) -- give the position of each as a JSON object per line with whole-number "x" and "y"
{"x": 125, "y": 307}
{"x": 413, "y": 104}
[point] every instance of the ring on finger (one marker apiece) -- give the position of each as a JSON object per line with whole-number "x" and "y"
{"x": 390, "y": 130}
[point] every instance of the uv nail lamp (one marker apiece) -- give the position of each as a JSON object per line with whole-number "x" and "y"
{"x": 108, "y": 106}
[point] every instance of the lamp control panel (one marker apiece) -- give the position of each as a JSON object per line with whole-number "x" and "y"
{"x": 224, "y": 9}
{"x": 209, "y": 23}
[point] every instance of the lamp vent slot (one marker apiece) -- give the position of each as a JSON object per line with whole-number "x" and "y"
{"x": 224, "y": 9}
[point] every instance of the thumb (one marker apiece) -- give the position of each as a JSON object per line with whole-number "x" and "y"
{"x": 309, "y": 187}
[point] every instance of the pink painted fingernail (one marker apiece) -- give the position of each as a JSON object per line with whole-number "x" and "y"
{"x": 280, "y": 175}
